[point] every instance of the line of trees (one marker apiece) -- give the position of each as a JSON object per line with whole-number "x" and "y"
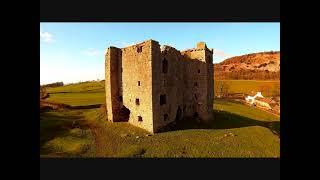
{"x": 221, "y": 89}
{"x": 247, "y": 75}
{"x": 56, "y": 84}
{"x": 268, "y": 90}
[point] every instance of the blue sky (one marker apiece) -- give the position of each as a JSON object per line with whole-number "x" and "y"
{"x": 73, "y": 52}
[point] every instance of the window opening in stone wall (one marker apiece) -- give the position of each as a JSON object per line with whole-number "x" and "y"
{"x": 163, "y": 99}
{"x": 164, "y": 65}
{"x": 137, "y": 101}
{"x": 139, "y": 49}
{"x": 196, "y": 84}
{"x": 165, "y": 117}
{"x": 138, "y": 83}
{"x": 139, "y": 118}
{"x": 199, "y": 71}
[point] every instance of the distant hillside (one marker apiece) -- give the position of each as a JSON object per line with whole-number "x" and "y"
{"x": 56, "y": 84}
{"x": 262, "y": 66}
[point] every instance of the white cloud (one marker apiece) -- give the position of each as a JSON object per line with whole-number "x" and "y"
{"x": 220, "y": 55}
{"x": 46, "y": 37}
{"x": 92, "y": 52}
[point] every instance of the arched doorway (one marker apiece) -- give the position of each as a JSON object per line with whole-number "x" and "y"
{"x": 124, "y": 114}
{"x": 179, "y": 114}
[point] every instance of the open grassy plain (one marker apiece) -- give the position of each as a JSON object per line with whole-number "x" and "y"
{"x": 236, "y": 131}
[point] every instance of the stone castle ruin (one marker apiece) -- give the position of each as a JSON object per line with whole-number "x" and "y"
{"x": 151, "y": 87}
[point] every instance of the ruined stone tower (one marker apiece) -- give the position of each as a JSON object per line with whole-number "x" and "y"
{"x": 151, "y": 87}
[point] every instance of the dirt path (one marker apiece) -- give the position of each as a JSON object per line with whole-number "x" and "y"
{"x": 104, "y": 146}
{"x": 99, "y": 141}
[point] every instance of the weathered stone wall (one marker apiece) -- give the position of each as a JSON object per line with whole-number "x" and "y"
{"x": 167, "y": 81}
{"x": 210, "y": 85}
{"x": 198, "y": 74}
{"x": 136, "y": 67}
{"x": 113, "y": 56}
{"x": 184, "y": 81}
{"x": 194, "y": 86}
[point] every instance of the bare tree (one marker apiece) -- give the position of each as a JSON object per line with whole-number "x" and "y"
{"x": 221, "y": 89}
{"x": 276, "y": 90}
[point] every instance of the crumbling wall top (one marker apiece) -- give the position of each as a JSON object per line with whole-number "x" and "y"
{"x": 168, "y": 48}
{"x": 109, "y": 48}
{"x": 201, "y": 45}
{"x": 140, "y": 44}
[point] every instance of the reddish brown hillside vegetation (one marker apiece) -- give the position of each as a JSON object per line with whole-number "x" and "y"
{"x": 258, "y": 66}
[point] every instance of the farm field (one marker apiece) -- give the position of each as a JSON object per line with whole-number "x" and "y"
{"x": 249, "y": 86}
{"x": 78, "y": 98}
{"x": 82, "y": 94}
{"x": 90, "y": 93}
{"x": 237, "y": 131}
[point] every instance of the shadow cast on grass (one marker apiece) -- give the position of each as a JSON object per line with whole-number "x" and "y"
{"x": 52, "y": 126}
{"x": 223, "y": 120}
{"x": 227, "y": 120}
{"x": 86, "y": 107}
{"x": 228, "y": 101}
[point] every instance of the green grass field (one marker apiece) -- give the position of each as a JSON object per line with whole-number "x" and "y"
{"x": 90, "y": 93}
{"x": 82, "y": 94}
{"x": 78, "y": 98}
{"x": 237, "y": 131}
{"x": 79, "y": 87}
